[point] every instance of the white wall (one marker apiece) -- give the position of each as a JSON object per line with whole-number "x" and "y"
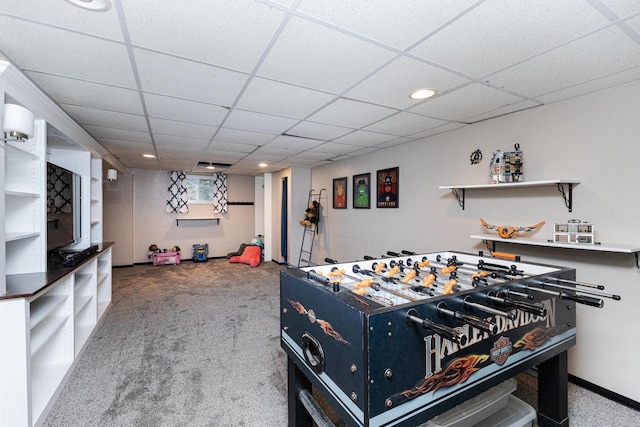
{"x": 118, "y": 218}
{"x": 152, "y": 225}
{"x": 593, "y": 138}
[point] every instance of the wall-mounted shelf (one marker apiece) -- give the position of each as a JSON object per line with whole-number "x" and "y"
{"x": 601, "y": 247}
{"x": 217, "y": 220}
{"x": 560, "y": 183}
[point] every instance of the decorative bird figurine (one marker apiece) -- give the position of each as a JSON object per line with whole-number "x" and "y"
{"x": 507, "y": 232}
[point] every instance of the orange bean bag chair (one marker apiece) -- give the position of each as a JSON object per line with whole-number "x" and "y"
{"x": 250, "y": 255}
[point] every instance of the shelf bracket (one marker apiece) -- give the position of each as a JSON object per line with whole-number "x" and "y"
{"x": 567, "y": 196}
{"x": 637, "y": 261}
{"x": 458, "y": 198}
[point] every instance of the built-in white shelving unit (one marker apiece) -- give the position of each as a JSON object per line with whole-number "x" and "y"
{"x": 47, "y": 311}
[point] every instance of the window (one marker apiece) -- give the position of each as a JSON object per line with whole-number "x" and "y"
{"x": 200, "y": 189}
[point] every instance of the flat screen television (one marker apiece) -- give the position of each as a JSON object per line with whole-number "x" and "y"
{"x": 63, "y": 207}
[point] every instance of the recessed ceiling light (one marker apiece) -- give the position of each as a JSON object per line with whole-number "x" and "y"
{"x": 263, "y": 165}
{"x": 211, "y": 167}
{"x": 93, "y": 5}
{"x": 149, "y": 156}
{"x": 422, "y": 94}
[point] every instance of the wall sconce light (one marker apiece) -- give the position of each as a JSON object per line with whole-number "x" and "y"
{"x": 17, "y": 123}
{"x": 112, "y": 175}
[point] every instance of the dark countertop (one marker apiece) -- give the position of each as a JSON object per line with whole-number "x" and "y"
{"x": 29, "y": 284}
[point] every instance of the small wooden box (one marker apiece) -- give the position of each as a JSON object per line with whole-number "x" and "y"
{"x": 166, "y": 258}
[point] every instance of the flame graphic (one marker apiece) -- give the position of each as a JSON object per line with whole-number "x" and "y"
{"x": 326, "y": 326}
{"x": 299, "y": 307}
{"x": 534, "y": 339}
{"x": 328, "y": 329}
{"x": 456, "y": 372}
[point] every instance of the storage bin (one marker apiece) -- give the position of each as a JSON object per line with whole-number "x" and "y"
{"x": 476, "y": 409}
{"x": 166, "y": 258}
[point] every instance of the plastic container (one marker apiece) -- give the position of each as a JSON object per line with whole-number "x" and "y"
{"x": 166, "y": 258}
{"x": 476, "y": 409}
{"x": 515, "y": 414}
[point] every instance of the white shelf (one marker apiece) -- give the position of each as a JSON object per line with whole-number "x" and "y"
{"x": 28, "y": 194}
{"x": 217, "y": 220}
{"x": 17, "y": 152}
{"x": 102, "y": 307}
{"x": 560, "y": 183}
{"x": 513, "y": 184}
{"x": 40, "y": 334}
{"x": 81, "y": 302}
{"x": 19, "y": 235}
{"x": 604, "y": 247}
{"x": 43, "y": 306}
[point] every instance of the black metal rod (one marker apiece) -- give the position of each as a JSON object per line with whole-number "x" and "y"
{"x": 312, "y": 407}
{"x": 479, "y": 323}
{"x": 588, "y": 285}
{"x": 582, "y": 291}
{"x": 580, "y": 299}
{"x": 449, "y": 333}
{"x": 520, "y": 305}
{"x": 468, "y": 302}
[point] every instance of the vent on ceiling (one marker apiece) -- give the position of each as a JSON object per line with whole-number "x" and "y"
{"x": 216, "y": 165}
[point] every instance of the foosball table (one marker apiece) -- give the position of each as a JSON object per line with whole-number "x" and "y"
{"x": 398, "y": 340}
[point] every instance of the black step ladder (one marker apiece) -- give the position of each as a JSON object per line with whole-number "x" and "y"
{"x": 310, "y": 231}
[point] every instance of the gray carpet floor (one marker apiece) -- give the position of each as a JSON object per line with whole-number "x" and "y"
{"x": 198, "y": 344}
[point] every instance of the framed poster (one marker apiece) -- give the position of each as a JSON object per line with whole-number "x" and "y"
{"x": 387, "y": 194}
{"x": 361, "y": 191}
{"x": 340, "y": 193}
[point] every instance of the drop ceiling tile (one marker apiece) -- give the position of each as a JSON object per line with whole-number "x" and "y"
{"x": 404, "y": 124}
{"x": 120, "y": 134}
{"x": 230, "y": 34}
{"x": 129, "y": 153}
{"x": 188, "y": 130}
{"x": 611, "y": 80}
{"x": 277, "y": 151}
{"x": 258, "y": 122}
{"x": 261, "y": 157}
{"x": 116, "y": 144}
{"x": 465, "y": 102}
{"x": 482, "y": 41}
{"x": 293, "y": 143}
{"x": 325, "y": 59}
{"x": 364, "y": 151}
{"x": 335, "y": 149}
{"x": 634, "y": 23}
{"x": 622, "y": 8}
{"x": 230, "y": 147}
{"x": 166, "y": 141}
{"x": 501, "y": 111}
{"x": 173, "y": 164}
{"x": 138, "y": 164}
{"x": 394, "y": 142}
{"x": 351, "y": 114}
{"x": 311, "y": 155}
{"x": 111, "y": 119}
{"x": 243, "y": 136}
{"x": 437, "y": 130}
{"x": 64, "y": 14}
{"x": 267, "y": 96}
{"x": 30, "y": 46}
{"x": 78, "y": 92}
{"x": 392, "y": 85}
{"x": 375, "y": 19}
{"x": 184, "y": 110}
{"x": 181, "y": 152}
{"x": 168, "y": 75}
{"x": 578, "y": 62}
{"x": 318, "y": 131}
{"x": 364, "y": 138}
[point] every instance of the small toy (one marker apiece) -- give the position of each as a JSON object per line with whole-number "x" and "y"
{"x": 311, "y": 215}
{"x": 508, "y": 232}
{"x": 574, "y": 231}
{"x": 507, "y": 166}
